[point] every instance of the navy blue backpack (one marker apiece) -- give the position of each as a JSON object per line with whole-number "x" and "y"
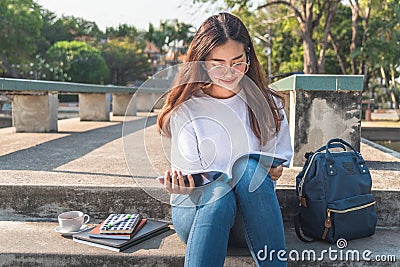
{"x": 334, "y": 192}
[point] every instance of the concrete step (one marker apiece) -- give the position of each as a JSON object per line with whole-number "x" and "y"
{"x": 37, "y": 244}
{"x": 44, "y": 202}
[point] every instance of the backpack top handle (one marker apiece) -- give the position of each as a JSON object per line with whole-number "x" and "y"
{"x": 330, "y": 143}
{"x": 340, "y": 141}
{"x": 331, "y": 170}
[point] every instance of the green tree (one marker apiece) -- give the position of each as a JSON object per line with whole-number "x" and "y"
{"x": 352, "y": 37}
{"x": 277, "y": 46}
{"x": 381, "y": 51}
{"x": 178, "y": 36}
{"x": 310, "y": 14}
{"x": 76, "y": 61}
{"x": 365, "y": 38}
{"x": 156, "y": 36}
{"x": 20, "y": 25}
{"x": 126, "y": 61}
{"x": 67, "y": 28}
{"x": 122, "y": 31}
{"x": 172, "y": 36}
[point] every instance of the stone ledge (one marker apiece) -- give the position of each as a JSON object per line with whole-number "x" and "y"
{"x": 43, "y": 202}
{"x": 51, "y": 249}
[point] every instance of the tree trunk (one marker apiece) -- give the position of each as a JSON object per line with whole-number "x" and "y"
{"x": 366, "y": 79}
{"x": 308, "y": 14}
{"x": 310, "y": 59}
{"x": 307, "y": 28}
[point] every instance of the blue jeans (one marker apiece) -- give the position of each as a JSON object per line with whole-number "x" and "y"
{"x": 240, "y": 216}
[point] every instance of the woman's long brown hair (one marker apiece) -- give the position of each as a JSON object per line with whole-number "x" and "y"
{"x": 215, "y": 31}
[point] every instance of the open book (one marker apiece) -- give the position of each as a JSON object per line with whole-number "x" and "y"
{"x": 266, "y": 160}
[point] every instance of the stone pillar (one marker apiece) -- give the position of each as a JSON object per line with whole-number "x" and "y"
{"x": 35, "y": 112}
{"x": 124, "y": 104}
{"x": 145, "y": 101}
{"x": 322, "y": 107}
{"x": 94, "y": 107}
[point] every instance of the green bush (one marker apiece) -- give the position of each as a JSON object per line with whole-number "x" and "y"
{"x": 78, "y": 62}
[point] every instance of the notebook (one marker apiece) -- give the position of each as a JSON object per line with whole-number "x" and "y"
{"x": 96, "y": 232}
{"x": 150, "y": 229}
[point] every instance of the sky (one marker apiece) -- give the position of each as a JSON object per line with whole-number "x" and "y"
{"x": 138, "y": 13}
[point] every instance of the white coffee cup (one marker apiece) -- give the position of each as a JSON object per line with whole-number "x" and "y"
{"x": 72, "y": 221}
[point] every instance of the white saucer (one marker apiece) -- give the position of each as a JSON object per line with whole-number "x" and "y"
{"x": 59, "y": 230}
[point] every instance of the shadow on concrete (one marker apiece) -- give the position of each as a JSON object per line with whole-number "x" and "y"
{"x": 383, "y": 165}
{"x": 55, "y": 153}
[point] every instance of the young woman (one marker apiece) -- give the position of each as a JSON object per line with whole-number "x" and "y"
{"x": 219, "y": 108}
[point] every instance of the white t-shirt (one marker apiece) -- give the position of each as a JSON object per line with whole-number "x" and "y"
{"x": 208, "y": 134}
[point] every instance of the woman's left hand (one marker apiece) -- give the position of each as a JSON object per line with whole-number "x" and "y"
{"x": 276, "y": 172}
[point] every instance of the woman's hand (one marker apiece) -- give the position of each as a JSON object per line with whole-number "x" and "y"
{"x": 175, "y": 183}
{"x": 276, "y": 172}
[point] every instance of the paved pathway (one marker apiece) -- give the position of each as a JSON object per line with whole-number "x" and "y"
{"x": 95, "y": 153}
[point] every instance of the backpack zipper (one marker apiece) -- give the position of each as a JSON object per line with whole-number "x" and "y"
{"x": 305, "y": 174}
{"x": 328, "y": 222}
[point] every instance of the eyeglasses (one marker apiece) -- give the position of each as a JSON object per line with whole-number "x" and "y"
{"x": 220, "y": 71}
